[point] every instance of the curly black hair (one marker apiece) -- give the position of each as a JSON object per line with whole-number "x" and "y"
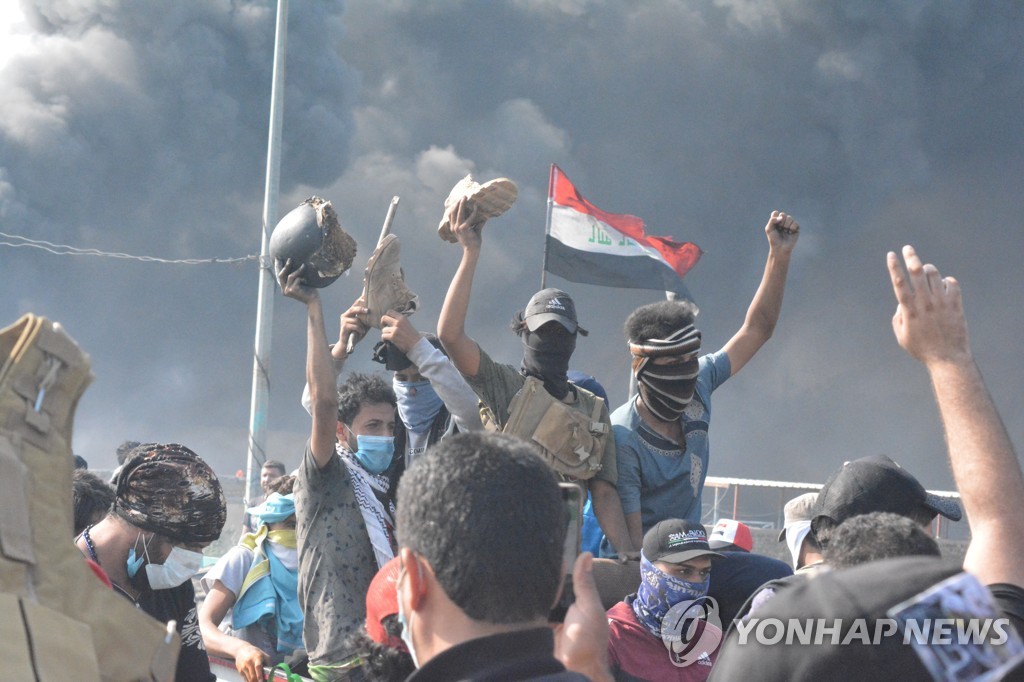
{"x": 659, "y": 320}
{"x": 363, "y": 389}
{"x": 874, "y": 536}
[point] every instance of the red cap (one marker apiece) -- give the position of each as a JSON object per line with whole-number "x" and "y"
{"x": 730, "y": 532}
{"x": 382, "y": 601}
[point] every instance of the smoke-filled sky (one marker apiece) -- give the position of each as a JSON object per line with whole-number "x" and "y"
{"x": 141, "y": 128}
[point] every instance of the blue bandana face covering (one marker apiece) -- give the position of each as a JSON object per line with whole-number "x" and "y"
{"x": 418, "y": 404}
{"x": 375, "y": 452}
{"x": 659, "y": 592}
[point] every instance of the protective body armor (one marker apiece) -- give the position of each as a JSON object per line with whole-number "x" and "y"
{"x": 58, "y": 621}
{"x": 571, "y": 442}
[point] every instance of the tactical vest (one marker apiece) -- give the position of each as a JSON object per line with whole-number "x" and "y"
{"x": 571, "y": 442}
{"x": 58, "y": 621}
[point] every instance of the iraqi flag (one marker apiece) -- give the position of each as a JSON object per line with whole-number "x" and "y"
{"x": 589, "y": 246}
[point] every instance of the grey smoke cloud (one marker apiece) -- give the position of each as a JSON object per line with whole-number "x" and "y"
{"x": 141, "y": 127}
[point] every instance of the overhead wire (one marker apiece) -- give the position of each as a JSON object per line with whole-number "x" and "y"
{"x": 67, "y": 250}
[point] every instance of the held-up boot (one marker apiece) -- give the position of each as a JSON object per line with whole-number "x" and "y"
{"x": 57, "y": 619}
{"x": 491, "y": 199}
{"x": 384, "y": 286}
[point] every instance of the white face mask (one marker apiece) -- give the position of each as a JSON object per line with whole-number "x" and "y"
{"x": 795, "y": 534}
{"x": 181, "y": 565}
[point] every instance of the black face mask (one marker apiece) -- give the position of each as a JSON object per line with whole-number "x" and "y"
{"x": 666, "y": 390}
{"x": 546, "y": 354}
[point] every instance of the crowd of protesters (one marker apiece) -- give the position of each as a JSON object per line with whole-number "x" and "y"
{"x": 423, "y": 534}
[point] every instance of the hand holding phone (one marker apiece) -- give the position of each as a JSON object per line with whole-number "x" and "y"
{"x": 572, "y": 498}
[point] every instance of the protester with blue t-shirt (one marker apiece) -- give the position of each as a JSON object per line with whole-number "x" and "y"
{"x": 661, "y": 434}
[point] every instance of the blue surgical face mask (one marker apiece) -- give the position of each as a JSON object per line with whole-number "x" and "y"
{"x": 418, "y": 404}
{"x": 374, "y": 453}
{"x": 135, "y": 561}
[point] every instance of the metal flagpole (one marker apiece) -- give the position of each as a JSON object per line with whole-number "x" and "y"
{"x": 265, "y": 306}
{"x": 547, "y": 227}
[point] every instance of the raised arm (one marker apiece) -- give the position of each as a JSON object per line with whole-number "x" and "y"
{"x": 451, "y": 325}
{"x": 455, "y": 393}
{"x": 763, "y": 313}
{"x": 930, "y": 325}
{"x": 353, "y": 329}
{"x": 320, "y": 373}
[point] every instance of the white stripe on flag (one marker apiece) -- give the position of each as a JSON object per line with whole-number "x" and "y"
{"x": 584, "y": 232}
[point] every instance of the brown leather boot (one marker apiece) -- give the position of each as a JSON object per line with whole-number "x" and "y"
{"x": 54, "y": 611}
{"x": 384, "y": 286}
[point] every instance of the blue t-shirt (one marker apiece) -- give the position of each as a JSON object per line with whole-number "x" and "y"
{"x": 656, "y": 478}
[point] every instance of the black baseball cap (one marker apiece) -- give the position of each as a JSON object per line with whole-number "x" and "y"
{"x": 878, "y": 484}
{"x": 552, "y": 305}
{"x": 675, "y": 541}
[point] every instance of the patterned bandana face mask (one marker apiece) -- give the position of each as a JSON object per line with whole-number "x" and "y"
{"x": 666, "y": 389}
{"x": 658, "y": 592}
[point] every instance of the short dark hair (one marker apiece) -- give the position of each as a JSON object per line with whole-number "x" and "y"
{"x": 362, "y": 389}
{"x": 874, "y": 536}
{"x": 486, "y": 512}
{"x": 93, "y": 497}
{"x": 274, "y": 464}
{"x": 659, "y": 320}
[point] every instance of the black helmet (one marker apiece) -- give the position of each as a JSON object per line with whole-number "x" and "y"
{"x": 312, "y": 235}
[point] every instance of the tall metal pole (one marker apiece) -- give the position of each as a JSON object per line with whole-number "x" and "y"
{"x": 547, "y": 226}
{"x": 265, "y": 305}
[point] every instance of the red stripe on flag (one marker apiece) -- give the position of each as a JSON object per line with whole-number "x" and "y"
{"x": 681, "y": 256}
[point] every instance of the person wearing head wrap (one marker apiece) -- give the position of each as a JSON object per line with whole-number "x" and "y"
{"x": 251, "y": 613}
{"x": 661, "y": 432}
{"x": 548, "y": 330}
{"x": 168, "y": 507}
